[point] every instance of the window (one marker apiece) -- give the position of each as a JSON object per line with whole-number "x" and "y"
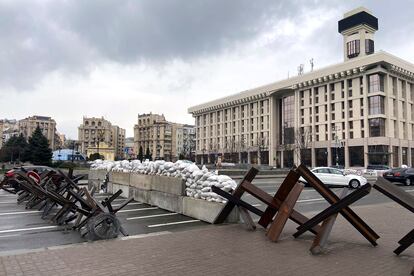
{"x": 288, "y": 119}
{"x": 369, "y": 46}
{"x": 376, "y": 105}
{"x": 353, "y": 48}
{"x": 376, "y": 83}
{"x": 376, "y": 127}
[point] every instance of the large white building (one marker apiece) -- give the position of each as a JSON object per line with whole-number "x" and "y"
{"x": 355, "y": 113}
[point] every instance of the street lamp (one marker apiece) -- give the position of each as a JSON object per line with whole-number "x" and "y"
{"x": 337, "y": 143}
{"x": 202, "y": 157}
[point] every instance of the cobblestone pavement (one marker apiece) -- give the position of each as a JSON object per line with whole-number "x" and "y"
{"x": 231, "y": 250}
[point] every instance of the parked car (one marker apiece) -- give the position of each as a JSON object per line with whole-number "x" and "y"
{"x": 341, "y": 167}
{"x": 10, "y": 174}
{"x": 377, "y": 170}
{"x": 402, "y": 175}
{"x": 336, "y": 177}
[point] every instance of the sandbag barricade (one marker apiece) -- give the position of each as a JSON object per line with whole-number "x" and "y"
{"x": 280, "y": 207}
{"x": 75, "y": 205}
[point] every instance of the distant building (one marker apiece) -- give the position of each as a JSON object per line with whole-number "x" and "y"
{"x": 165, "y": 140}
{"x": 94, "y": 130}
{"x": 68, "y": 155}
{"x": 60, "y": 140}
{"x": 154, "y": 133}
{"x": 103, "y": 149}
{"x": 129, "y": 149}
{"x": 8, "y": 129}
{"x": 184, "y": 145}
{"x": 118, "y": 141}
{"x": 47, "y": 125}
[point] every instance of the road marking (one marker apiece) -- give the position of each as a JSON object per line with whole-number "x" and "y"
{"x": 140, "y": 209}
{"x": 310, "y": 200}
{"x": 8, "y": 236}
{"x": 173, "y": 223}
{"x": 19, "y": 213}
{"x": 256, "y": 205}
{"x": 7, "y": 202}
{"x": 409, "y": 191}
{"x": 153, "y": 216}
{"x": 129, "y": 204}
{"x": 28, "y": 229}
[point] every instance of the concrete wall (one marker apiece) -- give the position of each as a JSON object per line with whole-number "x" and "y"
{"x": 165, "y": 192}
{"x": 206, "y": 210}
{"x": 96, "y": 178}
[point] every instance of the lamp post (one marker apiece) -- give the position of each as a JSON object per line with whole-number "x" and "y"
{"x": 337, "y": 144}
{"x": 202, "y": 157}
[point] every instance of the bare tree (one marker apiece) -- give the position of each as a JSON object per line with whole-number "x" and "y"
{"x": 303, "y": 140}
{"x": 230, "y": 147}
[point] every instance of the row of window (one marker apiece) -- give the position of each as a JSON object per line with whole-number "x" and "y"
{"x": 256, "y": 108}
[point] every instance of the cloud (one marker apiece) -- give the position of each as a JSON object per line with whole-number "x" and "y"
{"x": 40, "y": 37}
{"x": 118, "y": 58}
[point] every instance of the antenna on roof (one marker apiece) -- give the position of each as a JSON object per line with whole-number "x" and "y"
{"x": 311, "y": 64}
{"x": 300, "y": 69}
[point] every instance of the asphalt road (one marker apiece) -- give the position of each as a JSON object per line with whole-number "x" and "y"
{"x": 22, "y": 229}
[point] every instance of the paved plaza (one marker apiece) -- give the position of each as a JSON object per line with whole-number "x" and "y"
{"x": 230, "y": 250}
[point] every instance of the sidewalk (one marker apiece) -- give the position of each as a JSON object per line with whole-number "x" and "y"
{"x": 232, "y": 250}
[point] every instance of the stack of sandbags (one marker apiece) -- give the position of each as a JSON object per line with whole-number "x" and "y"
{"x": 198, "y": 181}
{"x": 99, "y": 164}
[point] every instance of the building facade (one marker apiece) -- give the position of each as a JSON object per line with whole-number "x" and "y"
{"x": 94, "y": 130}
{"x": 355, "y": 113}
{"x": 155, "y": 134}
{"x": 184, "y": 146}
{"x": 130, "y": 148}
{"x": 46, "y": 124}
{"x": 8, "y": 129}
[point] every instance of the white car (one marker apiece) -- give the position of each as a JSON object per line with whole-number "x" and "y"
{"x": 332, "y": 176}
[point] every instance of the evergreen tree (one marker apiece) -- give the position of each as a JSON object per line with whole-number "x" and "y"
{"x": 14, "y": 149}
{"x": 148, "y": 154}
{"x": 22, "y": 147}
{"x": 140, "y": 153}
{"x": 39, "y": 152}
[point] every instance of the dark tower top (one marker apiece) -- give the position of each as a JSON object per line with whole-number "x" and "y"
{"x": 358, "y": 19}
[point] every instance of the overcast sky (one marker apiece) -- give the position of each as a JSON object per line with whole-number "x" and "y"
{"x": 69, "y": 59}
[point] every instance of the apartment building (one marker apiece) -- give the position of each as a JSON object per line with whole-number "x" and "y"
{"x": 96, "y": 131}
{"x": 8, "y": 129}
{"x": 184, "y": 145}
{"x": 354, "y": 113}
{"x": 46, "y": 124}
{"x": 118, "y": 138}
{"x": 154, "y": 133}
